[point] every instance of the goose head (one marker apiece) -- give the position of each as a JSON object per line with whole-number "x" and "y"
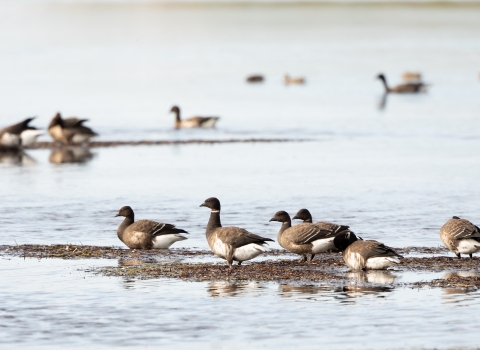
{"x": 125, "y": 211}
{"x": 344, "y": 239}
{"x": 281, "y": 216}
{"x": 303, "y": 214}
{"x": 212, "y": 203}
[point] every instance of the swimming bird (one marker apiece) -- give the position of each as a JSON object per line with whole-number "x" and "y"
{"x": 289, "y": 80}
{"x": 193, "y": 122}
{"x": 460, "y": 236}
{"x": 70, "y": 130}
{"x": 304, "y": 214}
{"x": 412, "y": 76}
{"x": 231, "y": 243}
{"x": 146, "y": 234}
{"x": 19, "y": 135}
{"x": 410, "y": 87}
{"x": 360, "y": 255}
{"x": 304, "y": 238}
{"x": 257, "y": 78}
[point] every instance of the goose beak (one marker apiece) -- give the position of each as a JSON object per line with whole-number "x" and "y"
{"x": 117, "y": 215}
{"x": 203, "y": 205}
{"x": 295, "y": 217}
{"x": 272, "y": 219}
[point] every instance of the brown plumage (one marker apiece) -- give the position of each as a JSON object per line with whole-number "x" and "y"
{"x": 460, "y": 236}
{"x": 289, "y": 80}
{"x": 18, "y": 135}
{"x": 255, "y": 79}
{"x": 146, "y": 234}
{"x": 231, "y": 243}
{"x": 193, "y": 122}
{"x": 70, "y": 130}
{"x": 304, "y": 238}
{"x": 412, "y": 87}
{"x": 360, "y": 254}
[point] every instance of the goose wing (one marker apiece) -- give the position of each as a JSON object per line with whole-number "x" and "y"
{"x": 334, "y": 228}
{"x": 73, "y": 122}
{"x": 460, "y": 228}
{"x": 307, "y": 233}
{"x": 17, "y": 129}
{"x": 373, "y": 249}
{"x": 155, "y": 228}
{"x": 203, "y": 120}
{"x": 238, "y": 237}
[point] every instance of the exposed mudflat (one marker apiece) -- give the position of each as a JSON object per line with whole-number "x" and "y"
{"x": 277, "y": 266}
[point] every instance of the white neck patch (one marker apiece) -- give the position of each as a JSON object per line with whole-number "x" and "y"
{"x": 215, "y": 211}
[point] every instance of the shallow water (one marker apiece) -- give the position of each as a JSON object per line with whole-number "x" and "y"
{"x": 394, "y": 174}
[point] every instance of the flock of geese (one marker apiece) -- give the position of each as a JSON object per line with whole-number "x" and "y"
{"x": 306, "y": 239}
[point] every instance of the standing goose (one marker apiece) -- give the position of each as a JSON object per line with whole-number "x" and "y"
{"x": 193, "y": 122}
{"x": 146, "y": 234}
{"x": 231, "y": 243}
{"x": 411, "y": 87}
{"x": 19, "y": 135}
{"x": 70, "y": 130}
{"x": 460, "y": 236}
{"x": 304, "y": 214}
{"x": 304, "y": 238}
{"x": 361, "y": 255}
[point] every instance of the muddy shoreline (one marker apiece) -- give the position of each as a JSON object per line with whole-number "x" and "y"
{"x": 279, "y": 266}
{"x": 100, "y": 144}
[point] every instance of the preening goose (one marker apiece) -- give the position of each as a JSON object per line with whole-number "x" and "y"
{"x": 304, "y": 238}
{"x": 304, "y": 214}
{"x": 411, "y": 87}
{"x": 460, "y": 236}
{"x": 193, "y": 122}
{"x": 19, "y": 135}
{"x": 146, "y": 234}
{"x": 70, "y": 130}
{"x": 361, "y": 255}
{"x": 231, "y": 243}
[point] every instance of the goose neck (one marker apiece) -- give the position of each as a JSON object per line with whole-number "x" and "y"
{"x": 285, "y": 225}
{"x": 125, "y": 223}
{"x": 213, "y": 222}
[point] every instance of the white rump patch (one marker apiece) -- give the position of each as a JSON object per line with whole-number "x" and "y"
{"x": 10, "y": 140}
{"x": 249, "y": 251}
{"x": 209, "y": 123}
{"x": 81, "y": 138}
{"x": 322, "y": 245}
{"x": 468, "y": 246}
{"x": 30, "y": 136}
{"x": 380, "y": 263}
{"x": 165, "y": 241}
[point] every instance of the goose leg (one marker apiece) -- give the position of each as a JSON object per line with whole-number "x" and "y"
{"x": 311, "y": 257}
{"x": 239, "y": 263}
{"x": 459, "y": 255}
{"x": 229, "y": 256}
{"x": 304, "y": 258}
{"x": 471, "y": 255}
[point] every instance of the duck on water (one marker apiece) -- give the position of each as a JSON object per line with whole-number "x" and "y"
{"x": 193, "y": 122}
{"x": 146, "y": 234}
{"x": 231, "y": 243}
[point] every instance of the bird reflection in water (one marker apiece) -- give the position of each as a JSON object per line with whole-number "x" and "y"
{"x": 461, "y": 281}
{"x": 70, "y": 155}
{"x": 222, "y": 289}
{"x": 16, "y": 157}
{"x": 290, "y": 290}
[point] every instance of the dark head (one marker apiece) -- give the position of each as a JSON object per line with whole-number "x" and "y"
{"x": 57, "y": 120}
{"x": 303, "y": 214}
{"x": 281, "y": 216}
{"x": 344, "y": 239}
{"x": 125, "y": 211}
{"x": 175, "y": 109}
{"x": 381, "y": 77}
{"x": 212, "y": 203}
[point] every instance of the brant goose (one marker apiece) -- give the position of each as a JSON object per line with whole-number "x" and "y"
{"x": 304, "y": 238}
{"x": 146, "y": 234}
{"x": 19, "y": 135}
{"x": 360, "y": 255}
{"x": 193, "y": 122}
{"x": 460, "y": 236}
{"x": 289, "y": 80}
{"x": 231, "y": 243}
{"x": 70, "y": 130}
{"x": 410, "y": 87}
{"x": 255, "y": 78}
{"x": 304, "y": 214}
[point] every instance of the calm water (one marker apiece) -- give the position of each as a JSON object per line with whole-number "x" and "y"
{"x": 394, "y": 174}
